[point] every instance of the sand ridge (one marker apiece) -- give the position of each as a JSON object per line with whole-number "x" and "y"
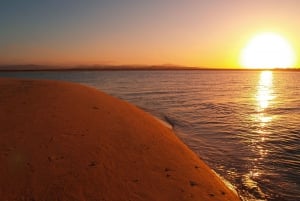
{"x": 65, "y": 141}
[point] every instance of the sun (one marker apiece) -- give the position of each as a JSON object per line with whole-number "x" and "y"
{"x": 267, "y": 51}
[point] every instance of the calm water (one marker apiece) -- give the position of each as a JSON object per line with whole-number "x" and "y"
{"x": 245, "y": 125}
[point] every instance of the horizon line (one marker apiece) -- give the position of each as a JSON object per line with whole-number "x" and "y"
{"x": 99, "y": 67}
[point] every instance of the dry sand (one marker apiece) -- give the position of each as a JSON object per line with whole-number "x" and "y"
{"x": 64, "y": 141}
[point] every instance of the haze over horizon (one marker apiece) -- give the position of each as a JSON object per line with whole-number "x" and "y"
{"x": 138, "y": 32}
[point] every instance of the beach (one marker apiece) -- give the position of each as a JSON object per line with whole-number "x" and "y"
{"x": 65, "y": 141}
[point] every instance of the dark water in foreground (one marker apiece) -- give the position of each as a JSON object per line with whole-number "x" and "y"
{"x": 245, "y": 125}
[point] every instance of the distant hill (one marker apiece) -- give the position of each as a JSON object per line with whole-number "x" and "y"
{"x": 35, "y": 67}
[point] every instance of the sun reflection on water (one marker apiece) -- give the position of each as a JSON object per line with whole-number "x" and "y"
{"x": 264, "y": 97}
{"x": 264, "y": 91}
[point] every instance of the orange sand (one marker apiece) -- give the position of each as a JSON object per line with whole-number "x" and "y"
{"x": 63, "y": 141}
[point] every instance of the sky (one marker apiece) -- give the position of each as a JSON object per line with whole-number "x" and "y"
{"x": 204, "y": 33}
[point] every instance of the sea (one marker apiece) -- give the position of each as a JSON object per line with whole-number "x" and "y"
{"x": 244, "y": 124}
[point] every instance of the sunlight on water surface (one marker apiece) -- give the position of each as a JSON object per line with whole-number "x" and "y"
{"x": 263, "y": 99}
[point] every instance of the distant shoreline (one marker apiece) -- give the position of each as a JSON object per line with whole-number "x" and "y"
{"x": 17, "y": 68}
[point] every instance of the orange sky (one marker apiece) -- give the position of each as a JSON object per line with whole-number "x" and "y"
{"x": 189, "y": 33}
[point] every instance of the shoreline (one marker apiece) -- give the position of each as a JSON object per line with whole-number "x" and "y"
{"x": 72, "y": 142}
{"x": 169, "y": 125}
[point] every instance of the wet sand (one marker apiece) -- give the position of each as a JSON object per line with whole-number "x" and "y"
{"x": 64, "y": 141}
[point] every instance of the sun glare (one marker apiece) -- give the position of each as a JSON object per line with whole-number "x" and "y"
{"x": 267, "y": 51}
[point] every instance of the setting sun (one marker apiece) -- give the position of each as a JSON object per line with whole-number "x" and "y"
{"x": 268, "y": 50}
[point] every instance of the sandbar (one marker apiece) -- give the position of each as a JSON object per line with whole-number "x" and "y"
{"x": 69, "y": 142}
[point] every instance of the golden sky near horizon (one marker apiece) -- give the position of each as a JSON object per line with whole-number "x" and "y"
{"x": 189, "y": 33}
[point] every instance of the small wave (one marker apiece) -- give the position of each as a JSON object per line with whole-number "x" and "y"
{"x": 252, "y": 188}
{"x": 169, "y": 121}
